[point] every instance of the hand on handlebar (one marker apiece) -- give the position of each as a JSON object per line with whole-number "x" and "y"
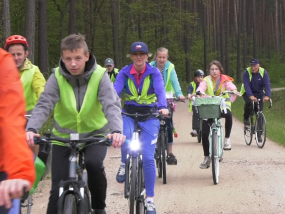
{"x": 30, "y": 138}
{"x": 12, "y": 188}
{"x": 118, "y": 139}
{"x": 181, "y": 97}
{"x": 265, "y": 99}
{"x": 164, "y": 112}
{"x": 253, "y": 98}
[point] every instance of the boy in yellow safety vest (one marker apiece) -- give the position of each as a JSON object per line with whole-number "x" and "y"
{"x": 76, "y": 91}
{"x": 198, "y": 77}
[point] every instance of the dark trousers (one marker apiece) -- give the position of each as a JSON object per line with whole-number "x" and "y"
{"x": 248, "y": 109}
{"x": 94, "y": 156}
{"x": 195, "y": 119}
{"x": 3, "y": 176}
{"x": 206, "y": 130}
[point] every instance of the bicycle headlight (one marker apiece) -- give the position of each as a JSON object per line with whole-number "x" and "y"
{"x": 135, "y": 145}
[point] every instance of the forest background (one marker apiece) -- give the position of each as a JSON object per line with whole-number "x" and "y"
{"x": 195, "y": 31}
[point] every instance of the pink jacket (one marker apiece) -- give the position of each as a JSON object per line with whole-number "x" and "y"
{"x": 226, "y": 83}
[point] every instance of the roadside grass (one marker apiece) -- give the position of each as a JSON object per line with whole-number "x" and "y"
{"x": 274, "y": 116}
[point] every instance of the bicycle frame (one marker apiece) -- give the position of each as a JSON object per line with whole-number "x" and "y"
{"x": 217, "y": 126}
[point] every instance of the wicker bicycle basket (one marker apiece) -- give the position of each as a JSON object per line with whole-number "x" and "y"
{"x": 209, "y": 107}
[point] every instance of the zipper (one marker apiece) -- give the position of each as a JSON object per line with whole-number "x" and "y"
{"x": 78, "y": 100}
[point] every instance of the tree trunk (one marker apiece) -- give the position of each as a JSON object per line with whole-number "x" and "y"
{"x": 42, "y": 35}
{"x": 238, "y": 14}
{"x": 277, "y": 27}
{"x": 227, "y": 35}
{"x": 115, "y": 27}
{"x": 72, "y": 10}
{"x": 254, "y": 51}
{"x": 205, "y": 33}
{"x": 30, "y": 25}
{"x": 187, "y": 46}
{"x": 6, "y": 19}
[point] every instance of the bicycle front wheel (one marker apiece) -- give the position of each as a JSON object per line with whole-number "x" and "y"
{"x": 70, "y": 204}
{"x": 163, "y": 153}
{"x": 158, "y": 156}
{"x": 141, "y": 190}
{"x": 215, "y": 157}
{"x": 133, "y": 185}
{"x": 248, "y": 132}
{"x": 260, "y": 130}
{"x": 199, "y": 132}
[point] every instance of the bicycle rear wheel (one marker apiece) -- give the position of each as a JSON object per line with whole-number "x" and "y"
{"x": 215, "y": 157}
{"x": 248, "y": 132}
{"x": 70, "y": 204}
{"x": 133, "y": 186}
{"x": 26, "y": 206}
{"x": 260, "y": 130}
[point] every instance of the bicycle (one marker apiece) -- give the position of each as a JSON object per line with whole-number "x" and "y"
{"x": 74, "y": 195}
{"x": 210, "y": 109}
{"x": 134, "y": 189}
{"x": 257, "y": 127}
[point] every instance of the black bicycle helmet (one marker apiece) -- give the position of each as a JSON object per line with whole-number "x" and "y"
{"x": 198, "y": 73}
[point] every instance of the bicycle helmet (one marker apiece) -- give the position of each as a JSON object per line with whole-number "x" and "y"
{"x": 16, "y": 39}
{"x": 198, "y": 73}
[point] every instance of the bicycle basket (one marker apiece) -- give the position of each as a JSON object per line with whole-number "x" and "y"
{"x": 209, "y": 107}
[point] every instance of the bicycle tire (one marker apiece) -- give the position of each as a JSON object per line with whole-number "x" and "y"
{"x": 87, "y": 201}
{"x": 260, "y": 119}
{"x": 133, "y": 185}
{"x": 163, "y": 151}
{"x": 158, "y": 160}
{"x": 141, "y": 187}
{"x": 70, "y": 204}
{"x": 26, "y": 206}
{"x": 127, "y": 178}
{"x": 215, "y": 157}
{"x": 248, "y": 132}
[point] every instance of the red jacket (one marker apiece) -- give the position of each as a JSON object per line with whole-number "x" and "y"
{"x": 16, "y": 158}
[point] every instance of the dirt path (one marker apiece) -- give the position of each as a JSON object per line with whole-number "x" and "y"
{"x": 251, "y": 180}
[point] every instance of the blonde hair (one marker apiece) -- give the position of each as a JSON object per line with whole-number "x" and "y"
{"x": 74, "y": 42}
{"x": 161, "y": 49}
{"x": 218, "y": 64}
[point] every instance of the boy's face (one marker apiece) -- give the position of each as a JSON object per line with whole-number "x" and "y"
{"x": 199, "y": 78}
{"x": 75, "y": 61}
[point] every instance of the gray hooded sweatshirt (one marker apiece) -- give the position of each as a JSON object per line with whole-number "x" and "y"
{"x": 107, "y": 96}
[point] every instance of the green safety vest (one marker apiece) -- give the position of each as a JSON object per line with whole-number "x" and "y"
{"x": 210, "y": 91}
{"x": 144, "y": 98}
{"x": 194, "y": 91}
{"x": 113, "y": 78}
{"x": 261, "y": 71}
{"x": 168, "y": 85}
{"x": 90, "y": 118}
{"x": 27, "y": 81}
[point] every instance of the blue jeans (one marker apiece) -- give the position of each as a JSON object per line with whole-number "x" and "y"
{"x": 149, "y": 134}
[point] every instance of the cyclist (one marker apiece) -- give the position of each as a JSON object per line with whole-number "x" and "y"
{"x": 110, "y": 68}
{"x": 16, "y": 159}
{"x": 198, "y": 77}
{"x": 141, "y": 83}
{"x": 255, "y": 81}
{"x": 215, "y": 84}
{"x": 171, "y": 83}
{"x": 76, "y": 91}
{"x": 31, "y": 76}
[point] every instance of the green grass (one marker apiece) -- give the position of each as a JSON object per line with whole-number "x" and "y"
{"x": 274, "y": 116}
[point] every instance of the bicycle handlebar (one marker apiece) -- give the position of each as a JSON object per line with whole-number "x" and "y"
{"x": 155, "y": 114}
{"x": 223, "y": 93}
{"x": 48, "y": 138}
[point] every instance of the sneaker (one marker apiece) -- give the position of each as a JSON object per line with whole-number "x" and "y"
{"x": 99, "y": 211}
{"x": 121, "y": 174}
{"x": 193, "y": 133}
{"x": 227, "y": 144}
{"x": 171, "y": 159}
{"x": 206, "y": 162}
{"x": 246, "y": 122}
{"x": 150, "y": 209}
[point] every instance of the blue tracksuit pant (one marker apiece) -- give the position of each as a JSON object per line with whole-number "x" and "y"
{"x": 149, "y": 134}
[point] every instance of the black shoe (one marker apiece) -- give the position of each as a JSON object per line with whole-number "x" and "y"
{"x": 246, "y": 122}
{"x": 259, "y": 138}
{"x": 171, "y": 159}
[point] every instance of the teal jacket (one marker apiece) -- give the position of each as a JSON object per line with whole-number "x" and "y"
{"x": 173, "y": 78}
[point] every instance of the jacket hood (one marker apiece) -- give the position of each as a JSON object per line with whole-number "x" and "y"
{"x": 90, "y": 66}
